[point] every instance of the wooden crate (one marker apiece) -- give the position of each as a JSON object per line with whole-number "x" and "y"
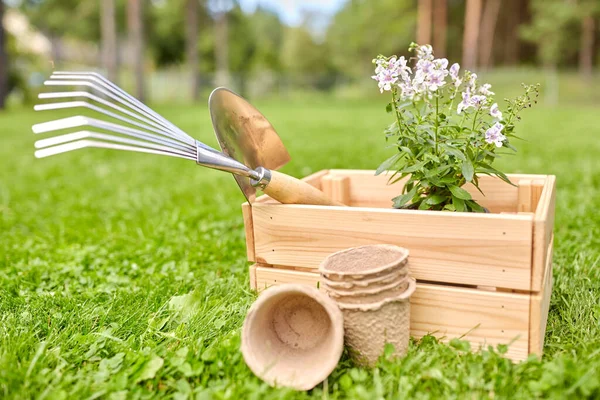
{"x": 484, "y": 277}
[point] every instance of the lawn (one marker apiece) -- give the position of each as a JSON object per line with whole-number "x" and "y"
{"x": 125, "y": 275}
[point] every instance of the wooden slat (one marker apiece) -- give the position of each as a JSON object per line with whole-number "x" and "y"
{"x": 368, "y": 190}
{"x": 249, "y": 229}
{"x": 537, "y": 187}
{"x": 252, "y": 275}
{"x": 484, "y": 318}
{"x": 524, "y": 196}
{"x": 462, "y": 248}
{"x": 543, "y": 225}
{"x": 540, "y": 305}
{"x": 341, "y": 189}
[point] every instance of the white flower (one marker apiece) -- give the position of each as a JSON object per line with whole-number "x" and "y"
{"x": 495, "y": 111}
{"x": 454, "y": 69}
{"x": 494, "y": 134}
{"x": 425, "y": 52}
{"x": 466, "y": 101}
{"x": 385, "y": 79}
{"x": 485, "y": 89}
{"x": 441, "y": 63}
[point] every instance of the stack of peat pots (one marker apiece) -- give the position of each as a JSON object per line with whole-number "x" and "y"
{"x": 372, "y": 286}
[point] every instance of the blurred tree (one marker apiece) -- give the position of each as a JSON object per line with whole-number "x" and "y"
{"x": 363, "y": 28}
{"x": 307, "y": 61}
{"x": 588, "y": 11}
{"x": 135, "y": 25}
{"x": 551, "y": 29}
{"x": 471, "y": 33}
{"x": 191, "y": 40}
{"x": 487, "y": 32}
{"x": 513, "y": 14}
{"x": 440, "y": 27}
{"x": 424, "y": 16}
{"x": 3, "y": 60}
{"x": 109, "y": 39}
{"x": 222, "y": 8}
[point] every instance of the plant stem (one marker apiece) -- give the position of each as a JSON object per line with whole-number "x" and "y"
{"x": 437, "y": 123}
{"x": 395, "y": 107}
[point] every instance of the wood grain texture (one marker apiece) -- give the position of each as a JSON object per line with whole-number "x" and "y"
{"x": 368, "y": 190}
{"x": 337, "y": 188}
{"x": 483, "y": 317}
{"x": 543, "y": 226}
{"x": 252, "y": 276}
{"x": 463, "y": 248}
{"x": 289, "y": 190}
{"x": 249, "y": 229}
{"x": 524, "y": 195}
{"x": 539, "y": 307}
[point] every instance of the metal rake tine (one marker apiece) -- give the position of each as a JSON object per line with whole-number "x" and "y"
{"x": 68, "y": 81}
{"x": 80, "y": 144}
{"x": 85, "y": 134}
{"x": 60, "y": 95}
{"x": 79, "y": 121}
{"x": 118, "y": 91}
{"x": 84, "y": 104}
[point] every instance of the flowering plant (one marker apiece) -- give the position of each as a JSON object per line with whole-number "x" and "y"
{"x": 447, "y": 129}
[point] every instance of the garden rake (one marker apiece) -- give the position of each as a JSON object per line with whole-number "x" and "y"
{"x": 253, "y": 150}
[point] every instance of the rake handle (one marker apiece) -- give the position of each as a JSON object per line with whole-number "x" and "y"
{"x": 289, "y": 190}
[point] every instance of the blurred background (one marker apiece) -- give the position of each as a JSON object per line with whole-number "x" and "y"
{"x": 176, "y": 51}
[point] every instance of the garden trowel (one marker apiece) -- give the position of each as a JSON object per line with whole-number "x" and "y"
{"x": 248, "y": 137}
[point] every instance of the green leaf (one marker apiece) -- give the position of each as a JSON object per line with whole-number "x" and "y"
{"x": 387, "y": 164}
{"x": 459, "y": 192}
{"x": 414, "y": 167}
{"x": 389, "y": 108}
{"x": 467, "y": 170}
{"x": 472, "y": 204}
{"x": 150, "y": 368}
{"x": 454, "y": 152}
{"x": 401, "y": 200}
{"x": 435, "y": 199}
{"x": 458, "y": 203}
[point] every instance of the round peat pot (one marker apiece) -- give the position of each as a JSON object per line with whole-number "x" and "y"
{"x": 293, "y": 336}
{"x": 367, "y": 290}
{"x": 373, "y": 296}
{"x": 369, "y": 326}
{"x": 364, "y": 262}
{"x": 378, "y": 280}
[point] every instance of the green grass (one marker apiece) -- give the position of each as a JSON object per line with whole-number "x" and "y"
{"x": 96, "y": 247}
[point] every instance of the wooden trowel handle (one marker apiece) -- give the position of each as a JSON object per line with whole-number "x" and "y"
{"x": 289, "y": 190}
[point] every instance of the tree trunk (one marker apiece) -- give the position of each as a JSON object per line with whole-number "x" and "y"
{"x": 586, "y": 50}
{"x": 135, "y": 26}
{"x": 424, "y": 22}
{"x": 511, "y": 39}
{"x": 488, "y": 29}
{"x": 471, "y": 34}
{"x": 3, "y": 60}
{"x": 109, "y": 39}
{"x": 440, "y": 27}
{"x": 191, "y": 33}
{"x": 222, "y": 49}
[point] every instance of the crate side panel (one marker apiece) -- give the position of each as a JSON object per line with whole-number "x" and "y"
{"x": 368, "y": 190}
{"x": 540, "y": 306}
{"x": 484, "y": 318}
{"x": 249, "y": 230}
{"x": 463, "y": 248}
{"x": 543, "y": 226}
